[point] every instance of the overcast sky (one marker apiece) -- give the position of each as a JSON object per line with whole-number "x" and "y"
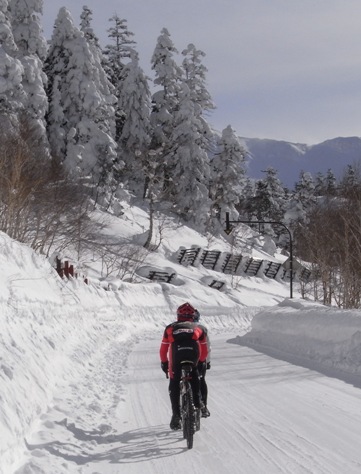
{"x": 283, "y": 69}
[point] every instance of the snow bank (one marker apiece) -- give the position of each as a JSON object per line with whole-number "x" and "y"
{"x": 328, "y": 336}
{"x": 50, "y": 328}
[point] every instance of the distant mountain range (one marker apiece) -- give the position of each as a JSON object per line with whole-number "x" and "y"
{"x": 289, "y": 159}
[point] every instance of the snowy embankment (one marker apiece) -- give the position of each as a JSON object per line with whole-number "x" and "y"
{"x": 329, "y": 337}
{"x": 50, "y": 329}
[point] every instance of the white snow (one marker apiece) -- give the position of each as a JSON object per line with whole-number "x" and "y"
{"x": 82, "y": 390}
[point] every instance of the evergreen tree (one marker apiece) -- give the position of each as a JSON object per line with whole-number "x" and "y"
{"x": 31, "y": 52}
{"x": 228, "y": 172}
{"x": 12, "y": 94}
{"x": 120, "y": 50}
{"x": 165, "y": 101}
{"x": 80, "y": 114}
{"x": 320, "y": 184}
{"x": 86, "y": 17}
{"x": 270, "y": 197}
{"x": 302, "y": 200}
{"x": 195, "y": 78}
{"x": 56, "y": 120}
{"x": 246, "y": 206}
{"x": 330, "y": 183}
{"x": 305, "y": 189}
{"x": 189, "y": 163}
{"x": 350, "y": 184}
{"x": 134, "y": 142}
{"x": 349, "y": 178}
{"x": 105, "y": 86}
{"x": 326, "y": 185}
{"x": 167, "y": 76}
{"x": 115, "y": 57}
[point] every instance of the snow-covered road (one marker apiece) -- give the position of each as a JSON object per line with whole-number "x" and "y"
{"x": 267, "y": 417}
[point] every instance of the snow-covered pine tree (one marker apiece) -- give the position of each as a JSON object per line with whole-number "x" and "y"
{"x": 85, "y": 26}
{"x": 115, "y": 57}
{"x": 301, "y": 201}
{"x": 168, "y": 76}
{"x": 105, "y": 86}
{"x": 350, "y": 183}
{"x": 350, "y": 178}
{"x": 165, "y": 101}
{"x": 270, "y": 197}
{"x": 31, "y": 52}
{"x": 305, "y": 190}
{"x": 320, "y": 184}
{"x": 80, "y": 113}
{"x": 246, "y": 206}
{"x": 330, "y": 183}
{"x": 12, "y": 94}
{"x": 195, "y": 78}
{"x": 120, "y": 50}
{"x": 228, "y": 174}
{"x": 134, "y": 142}
{"x": 189, "y": 163}
{"x": 56, "y": 121}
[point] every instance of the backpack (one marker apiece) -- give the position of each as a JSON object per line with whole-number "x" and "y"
{"x": 185, "y": 345}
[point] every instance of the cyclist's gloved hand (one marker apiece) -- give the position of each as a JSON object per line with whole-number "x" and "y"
{"x": 208, "y": 365}
{"x": 164, "y": 367}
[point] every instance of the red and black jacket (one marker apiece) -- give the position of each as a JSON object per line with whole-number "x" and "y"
{"x": 183, "y": 335}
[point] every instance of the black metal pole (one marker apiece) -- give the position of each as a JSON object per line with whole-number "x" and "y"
{"x": 228, "y": 227}
{"x": 228, "y": 230}
{"x": 291, "y": 258}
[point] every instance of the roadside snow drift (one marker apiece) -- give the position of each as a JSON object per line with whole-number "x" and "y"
{"x": 328, "y": 336}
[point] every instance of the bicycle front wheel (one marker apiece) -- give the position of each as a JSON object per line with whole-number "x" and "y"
{"x": 188, "y": 419}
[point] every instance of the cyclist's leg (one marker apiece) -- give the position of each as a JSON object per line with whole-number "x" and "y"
{"x": 204, "y": 389}
{"x": 196, "y": 388}
{"x": 203, "y": 383}
{"x": 174, "y": 395}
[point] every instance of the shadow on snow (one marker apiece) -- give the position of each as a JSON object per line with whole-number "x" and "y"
{"x": 131, "y": 446}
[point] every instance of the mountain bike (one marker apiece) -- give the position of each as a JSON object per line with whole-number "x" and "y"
{"x": 190, "y": 416}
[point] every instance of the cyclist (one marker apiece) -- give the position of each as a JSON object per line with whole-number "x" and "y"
{"x": 182, "y": 340}
{"x": 202, "y": 369}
